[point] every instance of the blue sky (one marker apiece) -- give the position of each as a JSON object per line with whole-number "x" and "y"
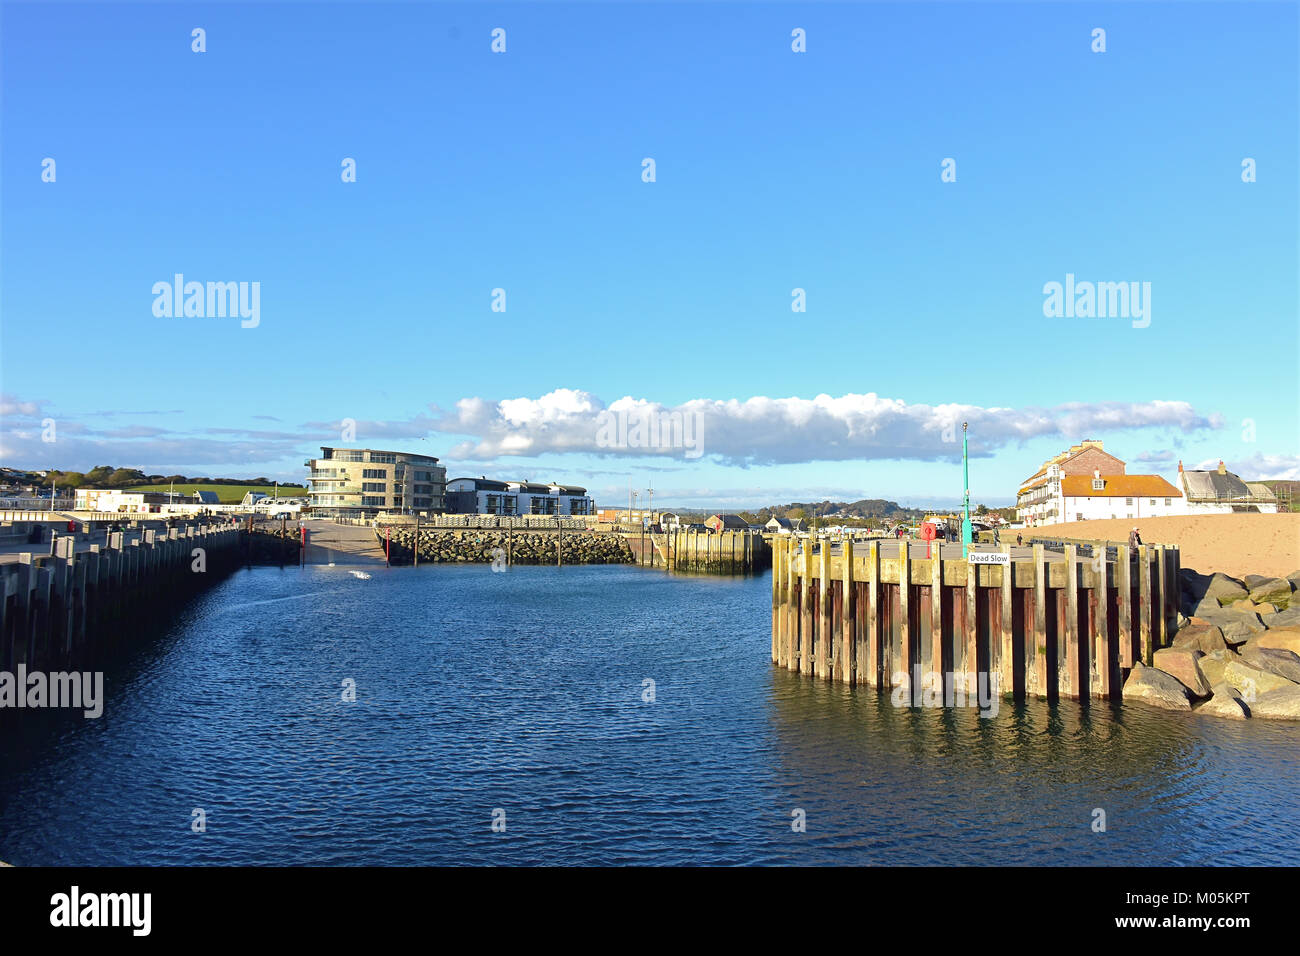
{"x": 774, "y": 170}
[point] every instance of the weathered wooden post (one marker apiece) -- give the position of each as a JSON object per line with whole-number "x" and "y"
{"x": 1006, "y": 662}
{"x": 1144, "y": 604}
{"x": 806, "y": 634}
{"x": 791, "y": 609}
{"x": 1039, "y": 639}
{"x": 825, "y": 637}
{"x": 934, "y": 666}
{"x": 904, "y": 652}
{"x": 968, "y": 639}
{"x": 1067, "y": 642}
{"x": 873, "y": 657}
{"x": 848, "y": 662}
{"x": 776, "y": 612}
{"x": 1124, "y": 581}
{"x": 1099, "y": 673}
{"x": 1162, "y": 576}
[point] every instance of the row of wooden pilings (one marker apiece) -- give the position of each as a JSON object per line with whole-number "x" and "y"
{"x": 1047, "y": 625}
{"x": 711, "y": 552}
{"x": 53, "y": 605}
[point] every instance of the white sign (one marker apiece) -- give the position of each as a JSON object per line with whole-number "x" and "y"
{"x": 990, "y": 557}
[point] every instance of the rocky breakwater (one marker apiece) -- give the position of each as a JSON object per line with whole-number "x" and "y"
{"x": 1236, "y": 653}
{"x": 522, "y": 547}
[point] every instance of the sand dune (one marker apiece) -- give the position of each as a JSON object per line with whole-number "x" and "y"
{"x": 1234, "y": 544}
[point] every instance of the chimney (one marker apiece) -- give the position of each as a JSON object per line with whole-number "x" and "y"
{"x": 1222, "y": 470}
{"x": 1180, "y": 466}
{"x": 1096, "y": 473}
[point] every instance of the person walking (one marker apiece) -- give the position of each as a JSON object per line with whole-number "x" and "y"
{"x": 1134, "y": 539}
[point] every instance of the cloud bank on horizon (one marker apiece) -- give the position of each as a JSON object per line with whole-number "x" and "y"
{"x": 771, "y": 431}
{"x": 753, "y": 431}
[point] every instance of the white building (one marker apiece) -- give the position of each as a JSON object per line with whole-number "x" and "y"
{"x": 120, "y": 502}
{"x": 1096, "y": 496}
{"x": 488, "y": 496}
{"x": 1222, "y": 492}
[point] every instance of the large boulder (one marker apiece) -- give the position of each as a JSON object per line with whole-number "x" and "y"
{"x": 1282, "y": 704}
{"x": 1212, "y": 665}
{"x": 1253, "y": 581}
{"x": 1288, "y": 618}
{"x": 1180, "y": 663}
{"x": 1237, "y": 626}
{"x": 1275, "y": 660}
{"x": 1287, "y": 638}
{"x": 1275, "y": 591}
{"x": 1225, "y": 589}
{"x": 1205, "y": 638}
{"x": 1226, "y": 702}
{"x": 1153, "y": 686}
{"x": 1252, "y": 681}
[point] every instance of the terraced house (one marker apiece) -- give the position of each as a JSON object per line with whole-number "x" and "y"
{"x": 1086, "y": 483}
{"x": 361, "y": 482}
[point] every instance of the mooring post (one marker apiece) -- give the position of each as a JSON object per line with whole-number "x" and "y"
{"x": 1161, "y": 635}
{"x": 1067, "y": 641}
{"x": 1006, "y": 668}
{"x": 825, "y": 637}
{"x": 904, "y": 653}
{"x": 848, "y": 648}
{"x": 1039, "y": 640}
{"x": 1124, "y": 581}
{"x": 776, "y": 613}
{"x": 935, "y": 665}
{"x": 968, "y": 639}
{"x": 791, "y": 609}
{"x": 1172, "y": 608}
{"x": 1099, "y": 674}
{"x": 806, "y": 635}
{"x": 872, "y": 667}
{"x": 1144, "y": 604}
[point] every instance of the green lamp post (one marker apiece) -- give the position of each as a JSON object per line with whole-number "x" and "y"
{"x": 965, "y": 515}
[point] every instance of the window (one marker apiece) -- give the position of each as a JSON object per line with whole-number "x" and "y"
{"x": 383, "y": 457}
{"x": 372, "y": 502}
{"x": 1153, "y": 502}
{"x": 1168, "y": 502}
{"x": 1098, "y": 484}
{"x": 373, "y": 486}
{"x": 373, "y": 473}
{"x": 423, "y": 490}
{"x": 1128, "y": 501}
{"x": 1078, "y": 516}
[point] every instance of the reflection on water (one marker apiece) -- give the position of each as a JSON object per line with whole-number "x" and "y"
{"x": 523, "y": 691}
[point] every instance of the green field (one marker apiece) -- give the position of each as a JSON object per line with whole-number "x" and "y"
{"x": 226, "y": 494}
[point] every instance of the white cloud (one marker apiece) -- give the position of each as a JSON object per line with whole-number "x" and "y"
{"x": 1259, "y": 467}
{"x": 762, "y": 430}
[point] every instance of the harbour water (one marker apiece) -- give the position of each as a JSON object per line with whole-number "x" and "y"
{"x": 525, "y": 692}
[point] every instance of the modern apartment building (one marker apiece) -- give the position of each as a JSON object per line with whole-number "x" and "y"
{"x": 488, "y": 496}
{"x": 361, "y": 482}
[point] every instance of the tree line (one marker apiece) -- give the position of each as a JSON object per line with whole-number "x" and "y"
{"x": 106, "y": 476}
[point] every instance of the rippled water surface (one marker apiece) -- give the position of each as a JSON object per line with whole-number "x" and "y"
{"x": 523, "y": 691}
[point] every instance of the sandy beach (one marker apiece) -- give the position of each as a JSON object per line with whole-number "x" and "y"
{"x": 1234, "y": 544}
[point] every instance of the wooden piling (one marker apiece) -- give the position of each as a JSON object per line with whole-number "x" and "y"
{"x": 1006, "y": 665}
{"x": 1039, "y": 641}
{"x": 848, "y": 662}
